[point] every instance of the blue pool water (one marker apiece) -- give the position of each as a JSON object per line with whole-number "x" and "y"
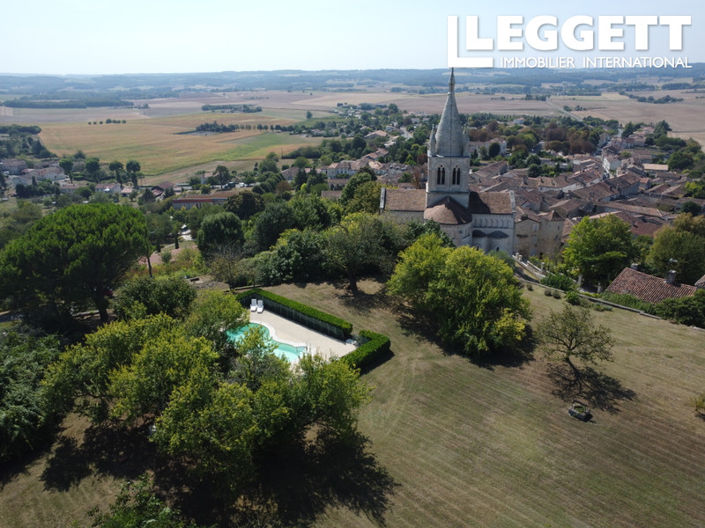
{"x": 283, "y": 350}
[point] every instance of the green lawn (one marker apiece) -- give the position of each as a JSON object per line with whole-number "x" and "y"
{"x": 468, "y": 445}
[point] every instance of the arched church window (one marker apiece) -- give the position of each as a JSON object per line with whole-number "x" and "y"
{"x": 443, "y": 175}
{"x": 438, "y": 176}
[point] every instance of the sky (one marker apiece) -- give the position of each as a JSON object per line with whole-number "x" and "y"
{"x": 169, "y": 36}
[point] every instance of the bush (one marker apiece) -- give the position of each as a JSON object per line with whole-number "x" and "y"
{"x": 332, "y": 325}
{"x": 556, "y": 294}
{"x": 629, "y": 301}
{"x": 573, "y": 298}
{"x": 685, "y": 310}
{"x": 364, "y": 356}
{"x": 699, "y": 404}
{"x": 558, "y": 280}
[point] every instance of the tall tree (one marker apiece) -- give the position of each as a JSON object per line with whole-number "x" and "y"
{"x": 681, "y": 247}
{"x": 355, "y": 245}
{"x": 66, "y": 165}
{"x": 245, "y": 204}
{"x": 471, "y": 299}
{"x": 221, "y": 230}
{"x": 221, "y": 174}
{"x": 116, "y": 168}
{"x": 133, "y": 168}
{"x": 354, "y": 182}
{"x": 598, "y": 249}
{"x": 71, "y": 256}
{"x": 93, "y": 169}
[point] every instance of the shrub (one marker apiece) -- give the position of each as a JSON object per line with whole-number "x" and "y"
{"x": 629, "y": 301}
{"x": 558, "y": 280}
{"x": 556, "y": 294}
{"x": 547, "y": 292}
{"x": 699, "y": 404}
{"x": 369, "y": 352}
{"x": 573, "y": 298}
{"x": 685, "y": 310}
{"x": 332, "y": 325}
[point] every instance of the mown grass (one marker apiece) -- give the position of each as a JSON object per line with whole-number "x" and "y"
{"x": 491, "y": 445}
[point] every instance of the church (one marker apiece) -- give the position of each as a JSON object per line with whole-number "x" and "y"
{"x": 484, "y": 220}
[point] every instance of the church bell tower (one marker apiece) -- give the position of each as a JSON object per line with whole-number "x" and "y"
{"x": 448, "y": 156}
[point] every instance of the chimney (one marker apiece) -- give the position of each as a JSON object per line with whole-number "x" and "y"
{"x": 635, "y": 266}
{"x": 671, "y": 277}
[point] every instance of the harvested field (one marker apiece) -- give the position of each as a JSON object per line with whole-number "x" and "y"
{"x": 158, "y": 145}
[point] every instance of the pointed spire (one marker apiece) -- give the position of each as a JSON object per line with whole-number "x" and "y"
{"x": 450, "y": 138}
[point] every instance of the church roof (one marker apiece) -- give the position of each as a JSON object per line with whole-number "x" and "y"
{"x": 491, "y": 203}
{"x": 405, "y": 200}
{"x": 450, "y": 139}
{"x": 448, "y": 212}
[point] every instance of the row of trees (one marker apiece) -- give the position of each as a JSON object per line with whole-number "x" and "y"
{"x": 92, "y": 170}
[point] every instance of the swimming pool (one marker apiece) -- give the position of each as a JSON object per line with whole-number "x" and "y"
{"x": 284, "y": 350}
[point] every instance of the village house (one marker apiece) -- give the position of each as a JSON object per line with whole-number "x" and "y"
{"x": 538, "y": 234}
{"x": 649, "y": 288}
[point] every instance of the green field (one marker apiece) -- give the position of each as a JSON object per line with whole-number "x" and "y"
{"x": 468, "y": 445}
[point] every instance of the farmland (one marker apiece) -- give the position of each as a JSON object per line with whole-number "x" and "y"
{"x": 151, "y": 134}
{"x": 475, "y": 445}
{"x": 159, "y": 146}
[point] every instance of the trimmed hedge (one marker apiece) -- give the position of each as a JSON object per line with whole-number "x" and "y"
{"x": 367, "y": 354}
{"x": 331, "y": 325}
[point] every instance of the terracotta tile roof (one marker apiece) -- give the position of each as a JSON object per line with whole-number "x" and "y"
{"x": 491, "y": 203}
{"x": 448, "y": 212}
{"x": 648, "y": 287}
{"x": 405, "y": 200}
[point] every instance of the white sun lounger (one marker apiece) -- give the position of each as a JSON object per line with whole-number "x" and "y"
{"x": 253, "y": 305}
{"x": 260, "y": 306}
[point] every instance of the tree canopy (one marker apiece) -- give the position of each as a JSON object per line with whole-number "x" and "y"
{"x": 147, "y": 296}
{"x": 598, "y": 249}
{"x": 74, "y": 255}
{"x": 471, "y": 299}
{"x": 219, "y": 231}
{"x": 680, "y": 247}
{"x": 573, "y": 334}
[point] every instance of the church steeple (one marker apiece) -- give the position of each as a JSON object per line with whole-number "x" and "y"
{"x": 448, "y": 156}
{"x": 450, "y": 139}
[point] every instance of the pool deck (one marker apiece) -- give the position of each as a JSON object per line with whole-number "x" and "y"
{"x": 294, "y": 333}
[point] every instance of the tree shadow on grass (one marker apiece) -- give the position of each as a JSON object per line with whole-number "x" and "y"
{"x": 115, "y": 451}
{"x": 360, "y": 300}
{"x": 304, "y": 482}
{"x": 598, "y": 389}
{"x": 505, "y": 357}
{"x": 296, "y": 485}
